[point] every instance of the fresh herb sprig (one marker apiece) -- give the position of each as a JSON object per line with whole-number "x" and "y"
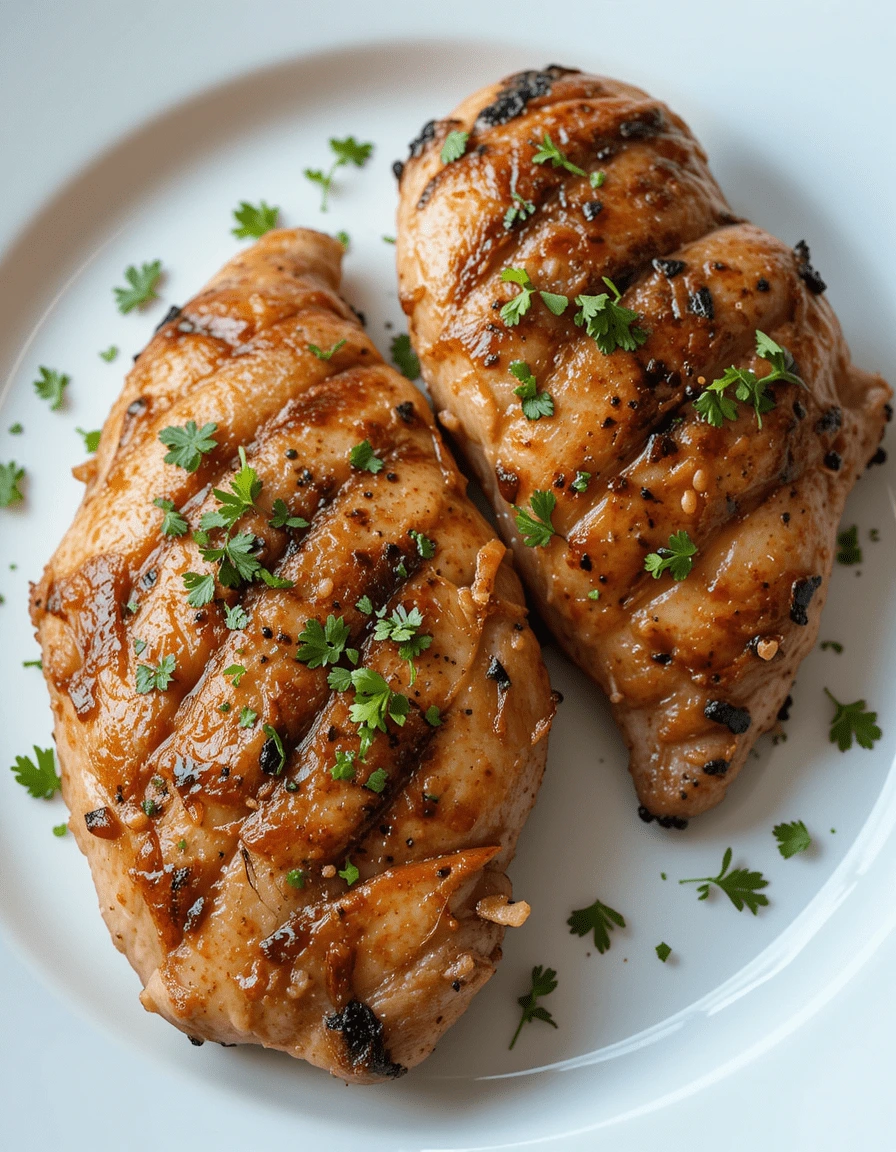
{"x": 677, "y": 559}
{"x": 39, "y": 775}
{"x": 792, "y": 838}
{"x": 535, "y": 404}
{"x": 516, "y": 308}
{"x": 346, "y": 151}
{"x": 742, "y": 887}
{"x": 11, "y": 476}
{"x": 544, "y": 982}
{"x": 188, "y": 444}
{"x": 50, "y": 385}
{"x": 714, "y": 407}
{"x": 141, "y": 287}
{"x": 599, "y": 919}
{"x": 534, "y": 523}
{"x": 607, "y": 322}
{"x": 454, "y": 147}
{"x": 253, "y": 220}
{"x": 852, "y": 721}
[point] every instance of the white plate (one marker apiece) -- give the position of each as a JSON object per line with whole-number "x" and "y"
{"x": 633, "y": 1031}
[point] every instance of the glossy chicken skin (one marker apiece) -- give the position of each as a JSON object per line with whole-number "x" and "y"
{"x": 695, "y": 669}
{"x": 217, "y": 864}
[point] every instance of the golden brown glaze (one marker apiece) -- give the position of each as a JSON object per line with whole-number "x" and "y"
{"x": 761, "y": 505}
{"x": 189, "y": 827}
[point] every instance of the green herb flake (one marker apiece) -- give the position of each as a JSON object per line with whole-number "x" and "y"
{"x": 792, "y": 838}
{"x": 535, "y": 404}
{"x": 247, "y": 717}
{"x": 349, "y": 873}
{"x": 714, "y": 407}
{"x": 158, "y": 678}
{"x": 549, "y": 153}
{"x": 60, "y": 830}
{"x": 51, "y": 385}
{"x": 201, "y": 588}
{"x": 663, "y": 952}
{"x": 534, "y": 523}
{"x": 173, "y": 524}
{"x": 596, "y": 918}
{"x": 344, "y": 239}
{"x": 295, "y": 878}
{"x": 109, "y": 353}
{"x": 377, "y": 780}
{"x": 141, "y": 286}
{"x": 833, "y": 645}
{"x": 741, "y": 886}
{"x": 404, "y": 357}
{"x": 544, "y": 981}
{"x": 322, "y": 644}
{"x": 594, "y": 594}
{"x": 91, "y": 439}
{"x": 677, "y": 558}
{"x": 150, "y": 808}
{"x": 344, "y": 768}
{"x": 235, "y": 617}
{"x": 328, "y": 353}
{"x": 32, "y": 663}
{"x": 596, "y": 179}
{"x": 608, "y": 323}
{"x": 581, "y": 482}
{"x": 849, "y": 551}
{"x": 365, "y": 606}
{"x": 454, "y": 147}
{"x": 433, "y": 716}
{"x": 425, "y": 547}
{"x": 520, "y": 209}
{"x": 236, "y": 672}
{"x": 852, "y": 720}
{"x": 11, "y": 476}
{"x": 273, "y": 736}
{"x": 346, "y": 151}
{"x": 253, "y": 220}
{"x": 281, "y": 517}
{"x": 15, "y": 429}
{"x": 188, "y": 444}
{"x": 38, "y": 775}
{"x": 363, "y": 457}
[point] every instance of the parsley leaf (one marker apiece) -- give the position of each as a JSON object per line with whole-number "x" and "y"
{"x": 11, "y": 475}
{"x": 792, "y": 838}
{"x": 344, "y": 239}
{"x": 549, "y": 153}
{"x": 714, "y": 407}
{"x": 607, "y": 322}
{"x": 40, "y": 779}
{"x": 323, "y": 644}
{"x": 247, "y": 717}
{"x": 253, "y": 220}
{"x": 663, "y": 951}
{"x": 851, "y": 720}
{"x": 425, "y": 547}
{"x": 740, "y": 886}
{"x": 596, "y": 179}
{"x": 849, "y": 549}
{"x": 597, "y": 918}
{"x": 520, "y": 209}
{"x": 245, "y": 488}
{"x": 188, "y": 444}
{"x": 235, "y": 618}
{"x": 60, "y": 829}
{"x": 834, "y": 645}
{"x": 15, "y": 429}
{"x": 327, "y": 354}
{"x": 433, "y": 716}
{"x": 109, "y": 353}
{"x": 365, "y": 605}
{"x": 678, "y": 557}
{"x": 201, "y": 588}
{"x": 142, "y": 286}
{"x": 374, "y": 701}
{"x": 349, "y": 873}
{"x": 173, "y": 524}
{"x": 347, "y": 151}
{"x": 535, "y": 404}
{"x": 377, "y": 781}
{"x": 363, "y": 457}
{"x": 402, "y": 627}
{"x": 236, "y": 672}
{"x": 91, "y": 439}
{"x": 404, "y": 357}
{"x": 544, "y": 981}
{"x": 155, "y": 678}
{"x": 344, "y": 768}
{"x": 581, "y": 482}
{"x": 282, "y": 519}
{"x": 51, "y": 385}
{"x": 517, "y": 307}
{"x": 535, "y": 526}
{"x": 295, "y": 878}
{"x": 454, "y": 147}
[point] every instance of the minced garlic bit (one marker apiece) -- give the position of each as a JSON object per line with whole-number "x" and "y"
{"x": 460, "y": 968}
{"x": 328, "y": 871}
{"x": 767, "y": 649}
{"x": 700, "y": 481}
{"x": 689, "y": 502}
{"x": 499, "y": 910}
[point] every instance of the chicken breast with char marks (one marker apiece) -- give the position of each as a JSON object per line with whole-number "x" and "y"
{"x": 299, "y": 712}
{"x": 669, "y": 465}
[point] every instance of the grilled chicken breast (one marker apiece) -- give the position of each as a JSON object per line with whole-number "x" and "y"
{"x": 568, "y": 179}
{"x": 268, "y": 881}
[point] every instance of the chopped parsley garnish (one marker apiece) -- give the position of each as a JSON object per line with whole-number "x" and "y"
{"x": 454, "y": 147}
{"x": 520, "y": 209}
{"x": 663, "y": 952}
{"x": 32, "y": 663}
{"x": 247, "y": 717}
{"x": 535, "y": 404}
{"x": 873, "y": 533}
{"x": 253, "y": 220}
{"x": 792, "y": 838}
{"x": 139, "y": 646}
{"x": 11, "y": 475}
{"x": 433, "y": 716}
{"x": 39, "y": 778}
{"x": 365, "y": 605}
{"x": 347, "y": 151}
{"x": 594, "y": 594}
{"x": 425, "y": 547}
{"x": 325, "y": 643}
{"x": 377, "y": 780}
{"x": 544, "y": 981}
{"x": 157, "y": 678}
{"x": 150, "y": 808}
{"x": 349, "y": 873}
{"x": 236, "y": 617}
{"x": 851, "y": 720}
{"x": 581, "y": 482}
{"x": 535, "y": 525}
{"x": 607, "y": 322}
{"x": 225, "y": 707}
{"x": 402, "y": 627}
{"x": 274, "y": 736}
{"x": 109, "y": 353}
{"x": 133, "y": 604}
{"x": 344, "y": 768}
{"x": 60, "y": 829}
{"x": 596, "y": 918}
{"x": 596, "y": 179}
{"x": 281, "y": 517}
{"x": 295, "y": 878}
{"x": 741, "y": 886}
{"x": 714, "y": 407}
{"x": 201, "y": 588}
{"x": 236, "y": 672}
{"x": 328, "y": 353}
{"x": 404, "y": 357}
{"x": 517, "y": 307}
{"x": 389, "y": 239}
{"x": 834, "y": 645}
{"x": 173, "y": 524}
{"x": 141, "y": 286}
{"x": 374, "y": 701}
{"x": 344, "y": 239}
{"x": 245, "y": 489}
{"x": 677, "y": 558}
{"x": 188, "y": 444}
{"x": 549, "y": 153}
{"x": 51, "y": 385}
{"x": 15, "y": 429}
{"x": 849, "y": 551}
{"x": 363, "y": 457}
{"x": 91, "y": 439}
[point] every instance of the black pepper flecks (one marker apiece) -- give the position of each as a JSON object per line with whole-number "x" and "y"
{"x": 879, "y": 457}
{"x": 833, "y": 461}
{"x": 646, "y": 124}
{"x": 784, "y": 710}
{"x": 804, "y": 268}
{"x": 700, "y": 303}
{"x": 715, "y": 767}
{"x": 736, "y": 720}
{"x": 801, "y": 597}
{"x": 830, "y": 420}
{"x": 172, "y": 314}
{"x": 662, "y": 657}
{"x": 762, "y": 285}
{"x": 405, "y": 411}
{"x": 591, "y": 208}
{"x": 497, "y": 673}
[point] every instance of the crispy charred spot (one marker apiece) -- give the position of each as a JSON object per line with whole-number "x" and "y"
{"x": 715, "y": 767}
{"x": 269, "y": 758}
{"x": 423, "y": 137}
{"x": 172, "y": 314}
{"x": 585, "y": 562}
{"x": 398, "y": 169}
{"x": 497, "y": 673}
{"x": 362, "y": 1033}
{"x": 508, "y": 482}
{"x": 102, "y": 822}
{"x": 784, "y": 710}
{"x": 608, "y": 423}
{"x": 801, "y": 597}
{"x": 196, "y": 1041}
{"x": 646, "y": 124}
{"x": 762, "y": 285}
{"x": 829, "y": 421}
{"x": 669, "y": 268}
{"x": 517, "y": 92}
{"x": 677, "y": 822}
{"x": 805, "y": 271}
{"x": 591, "y": 209}
{"x": 662, "y": 658}
{"x": 888, "y": 412}
{"x": 879, "y": 457}
{"x": 700, "y": 303}
{"x": 833, "y": 461}
{"x": 736, "y": 720}
{"x": 646, "y": 494}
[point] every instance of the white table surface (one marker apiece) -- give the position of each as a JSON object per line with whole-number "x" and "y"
{"x": 63, "y": 1083}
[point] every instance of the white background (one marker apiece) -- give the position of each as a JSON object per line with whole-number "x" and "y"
{"x": 64, "y": 1084}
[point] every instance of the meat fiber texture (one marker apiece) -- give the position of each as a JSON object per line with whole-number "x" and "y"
{"x": 695, "y": 668}
{"x": 222, "y": 847}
